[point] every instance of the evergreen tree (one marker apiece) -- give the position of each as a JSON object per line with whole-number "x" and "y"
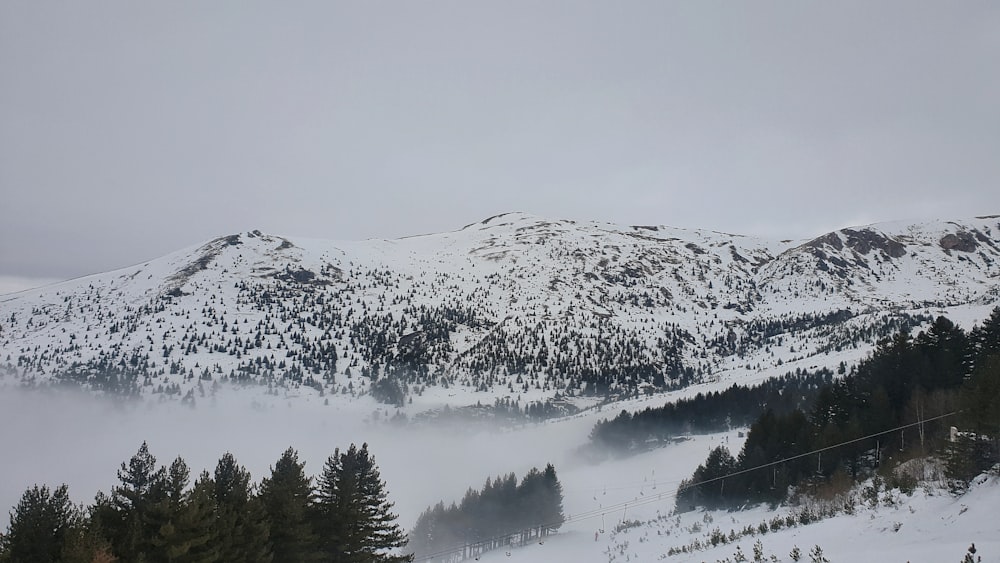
{"x": 980, "y": 397}
{"x": 508, "y": 518}
{"x": 551, "y": 502}
{"x": 527, "y": 505}
{"x": 986, "y": 338}
{"x": 286, "y": 497}
{"x": 974, "y": 452}
{"x": 181, "y": 523}
{"x": 142, "y": 486}
{"x": 474, "y": 527}
{"x": 486, "y": 518}
{"x": 105, "y": 522}
{"x": 353, "y": 512}
{"x": 85, "y": 542}
{"x": 707, "y": 486}
{"x": 241, "y": 523}
{"x": 196, "y": 524}
{"x": 161, "y": 517}
{"x": 39, "y": 526}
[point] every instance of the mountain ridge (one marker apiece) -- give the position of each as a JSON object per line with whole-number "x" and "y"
{"x": 519, "y": 307}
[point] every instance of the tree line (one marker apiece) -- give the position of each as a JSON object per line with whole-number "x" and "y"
{"x": 155, "y": 514}
{"x": 717, "y": 411}
{"x": 917, "y": 382}
{"x": 502, "y": 513}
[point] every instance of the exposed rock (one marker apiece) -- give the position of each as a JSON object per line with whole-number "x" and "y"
{"x": 694, "y": 248}
{"x": 866, "y": 240}
{"x": 301, "y": 276}
{"x": 829, "y": 239}
{"x": 961, "y": 241}
{"x": 737, "y": 256}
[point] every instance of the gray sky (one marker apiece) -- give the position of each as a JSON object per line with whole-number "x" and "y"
{"x": 132, "y": 129}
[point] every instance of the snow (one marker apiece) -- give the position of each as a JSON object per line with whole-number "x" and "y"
{"x": 521, "y": 274}
{"x": 82, "y": 441}
{"x": 517, "y": 272}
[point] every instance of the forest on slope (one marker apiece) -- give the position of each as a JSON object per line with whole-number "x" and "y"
{"x": 898, "y": 404}
{"x": 515, "y": 305}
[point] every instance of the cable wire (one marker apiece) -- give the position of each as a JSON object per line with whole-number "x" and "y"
{"x": 587, "y": 515}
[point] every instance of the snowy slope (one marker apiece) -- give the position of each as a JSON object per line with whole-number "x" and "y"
{"x": 516, "y": 307}
{"x": 424, "y": 464}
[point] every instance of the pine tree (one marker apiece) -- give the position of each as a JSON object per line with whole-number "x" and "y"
{"x": 469, "y": 507}
{"x": 104, "y": 524}
{"x": 85, "y": 542}
{"x": 986, "y": 338}
{"x": 196, "y": 524}
{"x": 529, "y": 504}
{"x": 241, "y": 523}
{"x": 981, "y": 397}
{"x": 353, "y": 512}
{"x": 286, "y": 497}
{"x": 970, "y": 555}
{"x": 706, "y": 486}
{"x": 142, "y": 486}
{"x": 39, "y": 526}
{"x": 161, "y": 517}
{"x": 508, "y": 519}
{"x": 182, "y": 522}
{"x": 552, "y": 508}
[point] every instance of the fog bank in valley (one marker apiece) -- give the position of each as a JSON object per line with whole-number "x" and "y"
{"x": 54, "y": 437}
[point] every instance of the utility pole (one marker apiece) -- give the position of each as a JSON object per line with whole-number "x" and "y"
{"x": 920, "y": 418}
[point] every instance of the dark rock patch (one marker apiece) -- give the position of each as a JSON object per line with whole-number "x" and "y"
{"x": 961, "y": 241}
{"x": 300, "y": 276}
{"x": 866, "y": 240}
{"x": 829, "y": 239}
{"x": 694, "y": 248}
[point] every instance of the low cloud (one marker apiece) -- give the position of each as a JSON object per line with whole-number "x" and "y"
{"x": 55, "y": 437}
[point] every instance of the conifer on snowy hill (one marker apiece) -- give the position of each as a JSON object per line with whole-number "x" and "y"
{"x": 353, "y": 514}
{"x": 515, "y": 304}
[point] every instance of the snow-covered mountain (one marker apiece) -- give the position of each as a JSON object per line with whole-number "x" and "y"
{"x": 516, "y": 308}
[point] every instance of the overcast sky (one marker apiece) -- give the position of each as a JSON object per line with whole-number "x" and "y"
{"x": 132, "y": 129}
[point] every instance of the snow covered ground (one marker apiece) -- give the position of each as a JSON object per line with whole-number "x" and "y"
{"x": 82, "y": 441}
{"x": 520, "y": 306}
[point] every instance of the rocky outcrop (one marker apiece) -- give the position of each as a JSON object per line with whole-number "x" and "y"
{"x": 961, "y": 241}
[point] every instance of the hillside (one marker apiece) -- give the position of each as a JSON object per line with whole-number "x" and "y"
{"x": 422, "y": 465}
{"x": 516, "y": 309}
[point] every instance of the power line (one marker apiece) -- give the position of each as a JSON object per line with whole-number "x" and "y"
{"x": 819, "y": 450}
{"x": 587, "y": 515}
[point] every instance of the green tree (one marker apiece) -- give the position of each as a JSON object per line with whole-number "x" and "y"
{"x": 241, "y": 522}
{"x": 286, "y": 497}
{"x": 353, "y": 511}
{"x": 980, "y": 397}
{"x": 973, "y": 452}
{"x": 182, "y": 522}
{"x": 552, "y": 500}
{"x": 128, "y": 521}
{"x": 986, "y": 338}
{"x": 707, "y": 487}
{"x": 85, "y": 542}
{"x": 39, "y": 526}
{"x": 198, "y": 536}
{"x": 105, "y": 522}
